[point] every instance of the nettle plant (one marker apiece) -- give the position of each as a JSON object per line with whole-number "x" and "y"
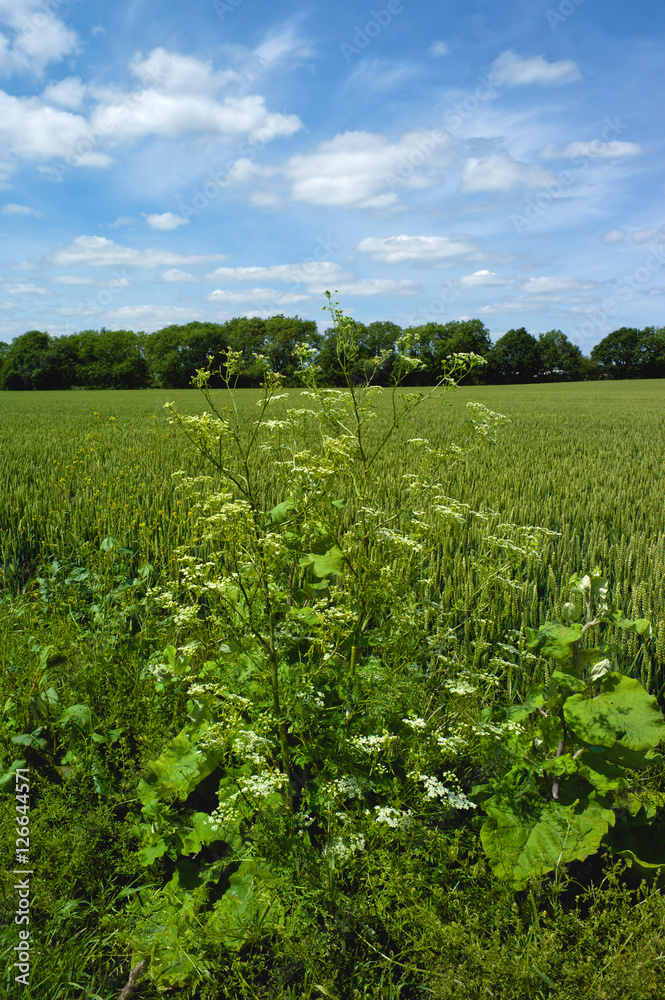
{"x": 580, "y": 742}
{"x": 327, "y": 719}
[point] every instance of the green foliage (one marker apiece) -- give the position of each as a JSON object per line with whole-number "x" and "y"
{"x": 582, "y": 733}
{"x": 336, "y": 844}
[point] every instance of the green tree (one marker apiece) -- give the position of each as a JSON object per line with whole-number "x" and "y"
{"x": 283, "y": 334}
{"x": 515, "y": 357}
{"x": 176, "y": 352}
{"x": 24, "y": 361}
{"x": 562, "y": 360}
{"x": 110, "y": 359}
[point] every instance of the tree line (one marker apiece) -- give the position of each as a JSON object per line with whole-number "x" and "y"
{"x": 168, "y": 358}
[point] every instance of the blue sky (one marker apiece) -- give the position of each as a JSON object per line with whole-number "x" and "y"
{"x": 164, "y": 161}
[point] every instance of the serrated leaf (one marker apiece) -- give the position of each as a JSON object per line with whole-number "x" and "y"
{"x": 623, "y": 711}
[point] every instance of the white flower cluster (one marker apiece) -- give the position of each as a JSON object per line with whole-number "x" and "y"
{"x": 459, "y": 686}
{"x": 343, "y": 847}
{"x": 252, "y": 747}
{"x": 451, "y": 744}
{"x": 372, "y": 744}
{"x": 393, "y": 817}
{"x": 260, "y": 786}
{"x": 434, "y": 789}
{"x": 415, "y": 723}
{"x": 346, "y": 787}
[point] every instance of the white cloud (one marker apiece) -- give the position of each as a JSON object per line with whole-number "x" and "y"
{"x": 25, "y": 289}
{"x": 38, "y": 37}
{"x": 499, "y": 172}
{"x": 13, "y": 209}
{"x": 419, "y": 249}
{"x": 128, "y": 117}
{"x": 153, "y": 317}
{"x": 165, "y": 222}
{"x": 73, "y": 279}
{"x": 511, "y": 70}
{"x": 361, "y": 169}
{"x": 122, "y": 220}
{"x": 32, "y": 128}
{"x": 265, "y": 199}
{"x": 595, "y": 148}
{"x": 281, "y": 44}
{"x": 482, "y": 279}
{"x": 97, "y": 251}
{"x": 69, "y": 93}
{"x": 438, "y": 49}
{"x": 616, "y": 236}
{"x": 314, "y": 272}
{"x": 554, "y": 286}
{"x": 374, "y": 286}
{"x": 646, "y": 235}
{"x": 272, "y": 295}
{"x": 176, "y": 275}
{"x": 173, "y": 73}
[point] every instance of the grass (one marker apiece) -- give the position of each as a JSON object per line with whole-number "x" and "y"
{"x": 90, "y": 518}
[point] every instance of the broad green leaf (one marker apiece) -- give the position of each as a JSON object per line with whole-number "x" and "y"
{"x": 603, "y": 775}
{"x": 525, "y": 837}
{"x": 640, "y": 625}
{"x": 80, "y": 715}
{"x": 281, "y": 512}
{"x": 178, "y": 770}
{"x": 554, "y": 640}
{"x": 567, "y": 682}
{"x": 324, "y": 565}
{"x": 623, "y": 711}
{"x": 8, "y": 778}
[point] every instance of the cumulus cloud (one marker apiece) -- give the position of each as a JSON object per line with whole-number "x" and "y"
{"x": 482, "y": 279}
{"x": 165, "y": 222}
{"x": 73, "y": 279}
{"x": 257, "y": 294}
{"x": 417, "y": 249}
{"x": 177, "y": 275}
{"x": 499, "y": 172}
{"x": 616, "y": 236}
{"x": 25, "y": 289}
{"x": 362, "y": 169}
{"x": 647, "y": 235}
{"x": 69, "y": 93}
{"x": 438, "y": 49}
{"x": 375, "y": 286}
{"x": 174, "y": 73}
{"x": 13, "y": 209}
{"x": 151, "y": 317}
{"x": 313, "y": 272}
{"x": 554, "y": 286}
{"x": 176, "y": 98}
{"x": 594, "y": 148}
{"x": 36, "y": 37}
{"x": 97, "y": 251}
{"x": 512, "y": 70}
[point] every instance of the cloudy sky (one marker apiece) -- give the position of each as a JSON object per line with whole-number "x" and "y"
{"x": 168, "y": 161}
